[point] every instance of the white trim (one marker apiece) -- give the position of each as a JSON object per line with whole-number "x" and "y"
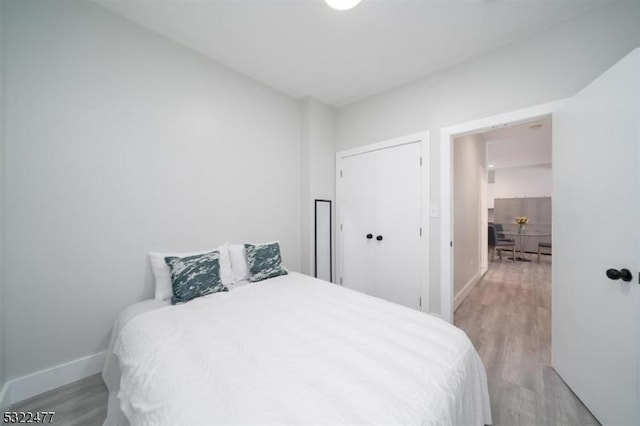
{"x": 426, "y": 222}
{"x": 483, "y": 240}
{"x": 402, "y": 140}
{"x": 462, "y": 294}
{"x": 337, "y": 224}
{"x": 5, "y": 401}
{"x": 42, "y": 381}
{"x": 425, "y": 139}
{"x": 446, "y": 220}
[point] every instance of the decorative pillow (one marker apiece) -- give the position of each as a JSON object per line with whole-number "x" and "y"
{"x": 238, "y": 262}
{"x": 162, "y": 272}
{"x": 195, "y": 276}
{"x": 264, "y": 261}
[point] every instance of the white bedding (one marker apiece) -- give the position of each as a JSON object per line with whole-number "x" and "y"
{"x": 111, "y": 371}
{"x": 297, "y": 350}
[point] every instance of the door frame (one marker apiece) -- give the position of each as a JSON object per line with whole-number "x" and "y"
{"x": 447, "y": 134}
{"x": 483, "y": 241}
{"x": 425, "y": 177}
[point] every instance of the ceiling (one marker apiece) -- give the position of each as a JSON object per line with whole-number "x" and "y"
{"x": 304, "y": 48}
{"x": 520, "y": 145}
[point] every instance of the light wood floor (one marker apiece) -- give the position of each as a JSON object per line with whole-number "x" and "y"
{"x": 507, "y": 316}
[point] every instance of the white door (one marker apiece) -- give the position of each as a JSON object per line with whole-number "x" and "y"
{"x": 357, "y": 211}
{"x": 380, "y": 209}
{"x": 596, "y": 320}
{"x": 398, "y": 212}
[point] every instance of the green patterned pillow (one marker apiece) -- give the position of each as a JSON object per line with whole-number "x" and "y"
{"x": 195, "y": 276}
{"x": 264, "y": 261}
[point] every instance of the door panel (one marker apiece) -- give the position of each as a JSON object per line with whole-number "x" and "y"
{"x": 358, "y": 220}
{"x": 398, "y": 212}
{"x": 596, "y": 321}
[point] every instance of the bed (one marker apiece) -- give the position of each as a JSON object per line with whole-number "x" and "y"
{"x": 291, "y": 350}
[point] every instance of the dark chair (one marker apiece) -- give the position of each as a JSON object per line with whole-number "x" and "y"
{"x": 499, "y": 231}
{"x": 541, "y": 246}
{"x": 496, "y": 244}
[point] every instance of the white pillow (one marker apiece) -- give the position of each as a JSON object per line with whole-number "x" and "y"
{"x": 226, "y": 274}
{"x": 239, "y": 264}
{"x": 162, "y": 272}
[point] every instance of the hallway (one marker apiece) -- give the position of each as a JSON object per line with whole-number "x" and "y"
{"x": 507, "y": 316}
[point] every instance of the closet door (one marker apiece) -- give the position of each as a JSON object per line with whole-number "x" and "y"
{"x": 398, "y": 233}
{"x": 358, "y": 222}
{"x": 380, "y": 215}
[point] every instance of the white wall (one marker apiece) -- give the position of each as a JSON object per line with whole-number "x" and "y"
{"x": 2, "y": 171}
{"x": 318, "y": 165}
{"x": 550, "y": 65}
{"x": 468, "y": 158}
{"x": 119, "y": 142}
{"x": 521, "y": 182}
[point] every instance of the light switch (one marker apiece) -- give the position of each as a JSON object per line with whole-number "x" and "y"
{"x": 433, "y": 211}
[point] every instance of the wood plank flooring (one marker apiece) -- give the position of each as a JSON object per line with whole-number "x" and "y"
{"x": 83, "y": 403}
{"x": 507, "y": 316}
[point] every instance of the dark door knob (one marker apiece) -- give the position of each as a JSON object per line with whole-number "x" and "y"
{"x": 369, "y": 236}
{"x": 379, "y": 238}
{"x": 623, "y": 274}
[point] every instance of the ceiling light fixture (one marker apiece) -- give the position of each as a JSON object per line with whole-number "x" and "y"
{"x": 491, "y": 166}
{"x": 342, "y": 4}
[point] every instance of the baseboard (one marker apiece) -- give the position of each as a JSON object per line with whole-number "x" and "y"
{"x": 42, "y": 381}
{"x": 4, "y": 397}
{"x": 462, "y": 294}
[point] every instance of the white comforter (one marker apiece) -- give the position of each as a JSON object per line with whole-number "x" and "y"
{"x": 296, "y": 350}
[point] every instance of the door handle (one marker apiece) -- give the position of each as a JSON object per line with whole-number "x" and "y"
{"x": 369, "y": 236}
{"x": 624, "y": 274}
{"x": 379, "y": 238}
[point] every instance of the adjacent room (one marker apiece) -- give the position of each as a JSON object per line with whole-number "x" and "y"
{"x": 502, "y": 270}
{"x": 319, "y": 212}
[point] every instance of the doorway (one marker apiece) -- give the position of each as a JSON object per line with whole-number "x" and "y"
{"x": 518, "y": 159}
{"x": 596, "y": 150}
{"x": 447, "y": 135}
{"x": 506, "y": 309}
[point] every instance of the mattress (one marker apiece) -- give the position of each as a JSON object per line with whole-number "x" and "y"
{"x": 295, "y": 350}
